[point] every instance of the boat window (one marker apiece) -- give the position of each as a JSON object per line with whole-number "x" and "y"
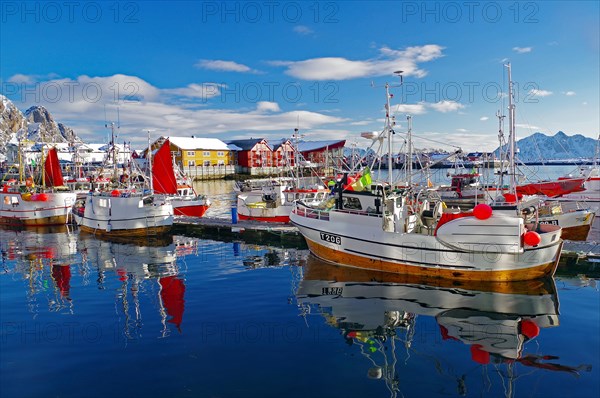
{"x": 102, "y": 202}
{"x": 351, "y": 203}
{"x": 290, "y": 197}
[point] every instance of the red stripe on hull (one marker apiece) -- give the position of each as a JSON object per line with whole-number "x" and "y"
{"x": 279, "y": 219}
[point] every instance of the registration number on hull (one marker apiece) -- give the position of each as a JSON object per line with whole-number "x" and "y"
{"x": 331, "y": 238}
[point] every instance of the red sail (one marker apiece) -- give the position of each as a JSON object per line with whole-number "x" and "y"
{"x": 53, "y": 175}
{"x": 163, "y": 176}
{"x": 172, "y": 292}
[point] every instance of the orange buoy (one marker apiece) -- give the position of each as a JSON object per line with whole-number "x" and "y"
{"x": 482, "y": 211}
{"x": 532, "y": 238}
{"x": 115, "y": 193}
{"x": 42, "y": 197}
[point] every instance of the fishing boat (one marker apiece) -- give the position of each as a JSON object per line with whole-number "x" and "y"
{"x": 385, "y": 229}
{"x": 387, "y": 318}
{"x": 127, "y": 212}
{"x": 24, "y": 204}
{"x": 272, "y": 199}
{"x": 178, "y": 190}
{"x": 590, "y": 194}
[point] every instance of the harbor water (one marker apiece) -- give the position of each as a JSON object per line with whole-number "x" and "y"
{"x": 192, "y": 317}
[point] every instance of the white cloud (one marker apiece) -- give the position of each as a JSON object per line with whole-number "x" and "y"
{"x": 303, "y": 30}
{"x": 412, "y": 109}
{"x": 266, "y": 106}
{"x": 483, "y": 118}
{"x": 570, "y": 93}
{"x": 225, "y": 66}
{"x": 361, "y": 123}
{"x": 86, "y": 103}
{"x": 388, "y": 61}
{"x": 539, "y": 93}
{"x": 446, "y": 106}
{"x": 422, "y": 107}
{"x": 204, "y": 90}
{"x": 462, "y": 130}
{"x": 522, "y": 50}
{"x": 22, "y": 79}
{"x": 528, "y": 126}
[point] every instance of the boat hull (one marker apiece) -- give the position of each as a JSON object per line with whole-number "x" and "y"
{"x": 361, "y": 243}
{"x": 55, "y": 210}
{"x": 124, "y": 216}
{"x": 189, "y": 210}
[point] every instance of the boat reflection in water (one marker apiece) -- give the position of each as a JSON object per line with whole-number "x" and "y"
{"x": 143, "y": 273}
{"x": 43, "y": 256}
{"x": 377, "y": 311}
{"x": 142, "y": 266}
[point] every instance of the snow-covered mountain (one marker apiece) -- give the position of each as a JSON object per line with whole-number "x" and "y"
{"x": 11, "y": 120}
{"x": 37, "y": 124}
{"x": 541, "y": 147}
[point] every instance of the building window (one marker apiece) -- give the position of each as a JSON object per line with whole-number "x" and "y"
{"x": 221, "y": 162}
{"x": 207, "y": 163}
{"x": 220, "y": 153}
{"x": 191, "y": 163}
{"x": 206, "y": 153}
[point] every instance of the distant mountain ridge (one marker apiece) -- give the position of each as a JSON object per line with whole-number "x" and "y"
{"x": 36, "y": 124}
{"x": 542, "y": 147}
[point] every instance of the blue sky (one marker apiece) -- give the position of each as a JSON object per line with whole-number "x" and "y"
{"x": 259, "y": 69}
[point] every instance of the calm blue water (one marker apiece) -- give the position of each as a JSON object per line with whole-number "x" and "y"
{"x": 198, "y": 318}
{"x": 85, "y": 317}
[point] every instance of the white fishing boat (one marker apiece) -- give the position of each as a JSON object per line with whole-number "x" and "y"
{"x": 271, "y": 200}
{"x": 22, "y": 204}
{"x": 124, "y": 212}
{"x": 386, "y": 230}
{"x": 181, "y": 194}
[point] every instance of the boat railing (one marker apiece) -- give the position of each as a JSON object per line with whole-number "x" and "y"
{"x": 311, "y": 213}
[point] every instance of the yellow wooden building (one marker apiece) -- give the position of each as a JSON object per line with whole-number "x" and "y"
{"x": 195, "y": 152}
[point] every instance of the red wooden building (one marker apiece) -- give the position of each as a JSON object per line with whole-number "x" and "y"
{"x": 253, "y": 152}
{"x": 283, "y": 154}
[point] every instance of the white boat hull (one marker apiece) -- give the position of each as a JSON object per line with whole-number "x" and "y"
{"x": 363, "y": 243}
{"x": 124, "y": 216}
{"x": 55, "y": 210}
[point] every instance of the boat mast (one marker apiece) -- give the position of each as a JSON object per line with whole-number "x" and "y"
{"x": 114, "y": 150}
{"x": 511, "y": 123}
{"x": 501, "y": 148}
{"x": 150, "y": 161}
{"x": 410, "y": 152}
{"x": 388, "y": 127}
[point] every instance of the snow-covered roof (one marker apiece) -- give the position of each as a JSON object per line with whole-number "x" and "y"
{"x": 233, "y": 147}
{"x": 194, "y": 143}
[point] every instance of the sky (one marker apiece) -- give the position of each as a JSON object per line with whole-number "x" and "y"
{"x": 232, "y": 70}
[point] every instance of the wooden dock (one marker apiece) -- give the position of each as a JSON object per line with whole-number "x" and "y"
{"x": 223, "y": 229}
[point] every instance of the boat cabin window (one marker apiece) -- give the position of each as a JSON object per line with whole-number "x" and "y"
{"x": 351, "y": 203}
{"x": 103, "y": 202}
